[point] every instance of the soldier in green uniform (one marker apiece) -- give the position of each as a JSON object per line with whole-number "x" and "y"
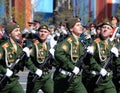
{"x": 39, "y": 52}
{"x": 9, "y": 52}
{"x": 116, "y": 36}
{"x": 116, "y": 68}
{"x": 67, "y": 53}
{"x": 100, "y": 49}
{"x": 87, "y": 78}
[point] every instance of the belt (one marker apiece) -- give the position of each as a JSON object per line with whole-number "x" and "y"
{"x": 64, "y": 72}
{"x": 98, "y": 73}
{"x": 43, "y": 73}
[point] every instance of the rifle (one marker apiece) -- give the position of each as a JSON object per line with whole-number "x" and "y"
{"x": 5, "y": 79}
{"x": 105, "y": 66}
{"x": 109, "y": 58}
{"x": 78, "y": 64}
{"x": 43, "y": 65}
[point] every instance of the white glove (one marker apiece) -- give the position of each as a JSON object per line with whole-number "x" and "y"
{"x": 52, "y": 50}
{"x": 64, "y": 31}
{"x": 33, "y": 31}
{"x": 118, "y": 35}
{"x": 27, "y": 51}
{"x": 90, "y": 50}
{"x": 114, "y": 50}
{"x": 58, "y": 34}
{"x": 94, "y": 72}
{"x": 88, "y": 36}
{"x": 9, "y": 72}
{"x": 52, "y": 42}
{"x": 76, "y": 70}
{"x": 38, "y": 72}
{"x": 103, "y": 72}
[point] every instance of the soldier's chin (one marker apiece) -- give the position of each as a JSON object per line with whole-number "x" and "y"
{"x": 43, "y": 39}
{"x": 104, "y": 37}
{"x": 17, "y": 39}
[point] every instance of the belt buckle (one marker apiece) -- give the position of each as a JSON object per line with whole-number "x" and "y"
{"x": 45, "y": 72}
{"x": 64, "y": 72}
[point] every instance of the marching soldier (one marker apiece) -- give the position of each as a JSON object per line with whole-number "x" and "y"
{"x": 116, "y": 70}
{"x": 116, "y": 29}
{"x": 29, "y": 34}
{"x": 39, "y": 52}
{"x": 100, "y": 50}
{"x": 87, "y": 78}
{"x": 9, "y": 52}
{"x": 37, "y": 25}
{"x": 116, "y": 35}
{"x": 67, "y": 54}
{"x": 85, "y": 37}
{"x": 93, "y": 30}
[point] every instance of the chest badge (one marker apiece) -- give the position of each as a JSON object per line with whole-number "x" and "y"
{"x": 64, "y": 47}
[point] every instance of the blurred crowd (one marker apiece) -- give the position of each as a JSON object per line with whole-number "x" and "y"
{"x": 90, "y": 32}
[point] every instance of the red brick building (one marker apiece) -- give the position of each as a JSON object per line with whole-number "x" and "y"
{"x": 23, "y": 11}
{"x": 95, "y": 10}
{"x": 103, "y": 9}
{"x": 20, "y": 10}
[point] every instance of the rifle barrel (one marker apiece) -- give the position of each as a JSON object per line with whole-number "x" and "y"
{"x": 105, "y": 66}
{"x": 42, "y": 66}
{"x": 79, "y": 64}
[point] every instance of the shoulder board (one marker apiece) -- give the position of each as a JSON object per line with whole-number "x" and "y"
{"x": 69, "y": 40}
{"x": 36, "y": 42}
{"x": 97, "y": 40}
{"x": 5, "y": 45}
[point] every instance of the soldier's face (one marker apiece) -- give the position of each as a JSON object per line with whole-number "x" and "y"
{"x": 98, "y": 30}
{"x": 43, "y": 34}
{"x": 15, "y": 34}
{"x": 77, "y": 29}
{"x": 114, "y": 21}
{"x": 106, "y": 31}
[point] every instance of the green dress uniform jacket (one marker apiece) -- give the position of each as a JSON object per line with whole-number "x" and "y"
{"x": 8, "y": 55}
{"x": 67, "y": 54}
{"x": 116, "y": 71}
{"x": 97, "y": 61}
{"x": 39, "y": 52}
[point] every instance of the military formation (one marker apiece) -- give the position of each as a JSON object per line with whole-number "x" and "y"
{"x": 86, "y": 59}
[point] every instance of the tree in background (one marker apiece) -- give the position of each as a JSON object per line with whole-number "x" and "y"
{"x": 62, "y": 11}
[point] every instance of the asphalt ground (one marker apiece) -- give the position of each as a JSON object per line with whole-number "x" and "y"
{"x": 23, "y": 79}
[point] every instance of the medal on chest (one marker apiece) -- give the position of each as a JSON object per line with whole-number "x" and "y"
{"x": 74, "y": 52}
{"x": 41, "y": 53}
{"x": 102, "y": 51}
